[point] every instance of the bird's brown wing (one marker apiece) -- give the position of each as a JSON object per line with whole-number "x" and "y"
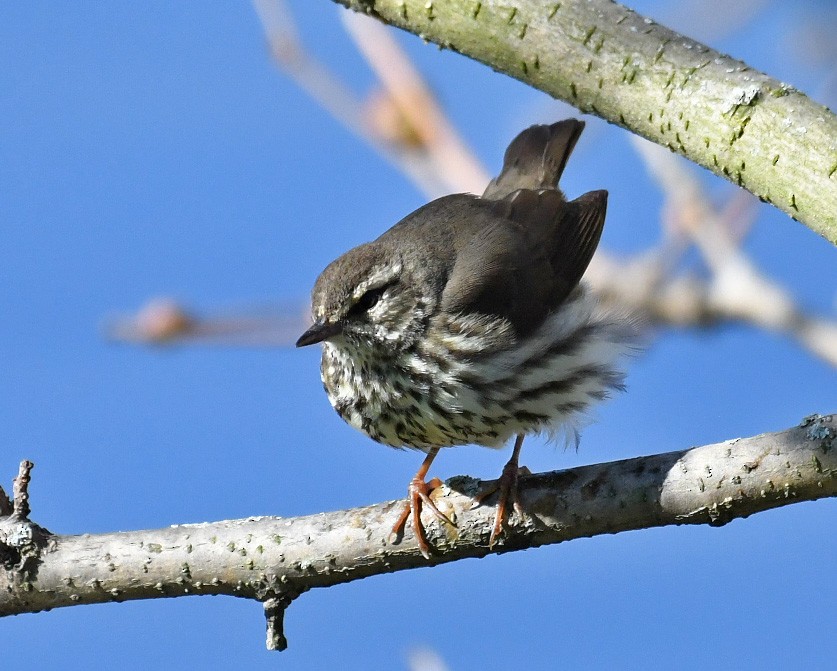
{"x": 527, "y": 261}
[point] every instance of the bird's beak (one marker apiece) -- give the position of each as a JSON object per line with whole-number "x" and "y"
{"x": 320, "y": 330}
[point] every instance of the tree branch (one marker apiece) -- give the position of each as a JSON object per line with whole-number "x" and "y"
{"x": 607, "y": 60}
{"x": 273, "y": 560}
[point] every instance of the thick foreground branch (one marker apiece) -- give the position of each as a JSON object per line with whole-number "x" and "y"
{"x": 274, "y": 560}
{"x": 607, "y": 60}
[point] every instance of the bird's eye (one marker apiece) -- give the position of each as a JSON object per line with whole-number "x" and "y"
{"x": 367, "y": 301}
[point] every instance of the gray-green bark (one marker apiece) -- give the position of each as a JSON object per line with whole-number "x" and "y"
{"x": 607, "y": 60}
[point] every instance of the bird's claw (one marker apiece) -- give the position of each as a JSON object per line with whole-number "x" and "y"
{"x": 418, "y": 496}
{"x": 506, "y": 488}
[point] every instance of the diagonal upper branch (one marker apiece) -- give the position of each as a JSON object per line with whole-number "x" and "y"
{"x": 607, "y": 60}
{"x": 274, "y": 560}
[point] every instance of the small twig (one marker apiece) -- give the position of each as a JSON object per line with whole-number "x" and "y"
{"x": 274, "y": 612}
{"x": 21, "y": 540}
{"x": 20, "y": 490}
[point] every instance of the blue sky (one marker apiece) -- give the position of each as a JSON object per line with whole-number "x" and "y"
{"x": 152, "y": 149}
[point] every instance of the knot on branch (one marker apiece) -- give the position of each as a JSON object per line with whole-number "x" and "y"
{"x": 21, "y": 540}
{"x": 820, "y": 428}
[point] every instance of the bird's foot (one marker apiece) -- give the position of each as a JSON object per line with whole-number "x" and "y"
{"x": 418, "y": 496}
{"x": 506, "y": 489}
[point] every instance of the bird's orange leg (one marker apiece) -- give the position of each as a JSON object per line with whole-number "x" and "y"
{"x": 418, "y": 495}
{"x": 506, "y": 488}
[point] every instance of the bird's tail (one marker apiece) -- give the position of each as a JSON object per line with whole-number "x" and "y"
{"x": 536, "y": 158}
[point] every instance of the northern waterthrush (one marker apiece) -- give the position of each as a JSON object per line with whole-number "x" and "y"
{"x": 466, "y": 322}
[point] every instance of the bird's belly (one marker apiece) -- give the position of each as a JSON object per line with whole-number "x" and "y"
{"x": 424, "y": 399}
{"x": 403, "y": 404}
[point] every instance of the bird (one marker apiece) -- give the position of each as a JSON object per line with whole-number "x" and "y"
{"x": 467, "y": 322}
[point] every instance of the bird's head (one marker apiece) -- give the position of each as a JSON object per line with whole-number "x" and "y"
{"x": 367, "y": 298}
